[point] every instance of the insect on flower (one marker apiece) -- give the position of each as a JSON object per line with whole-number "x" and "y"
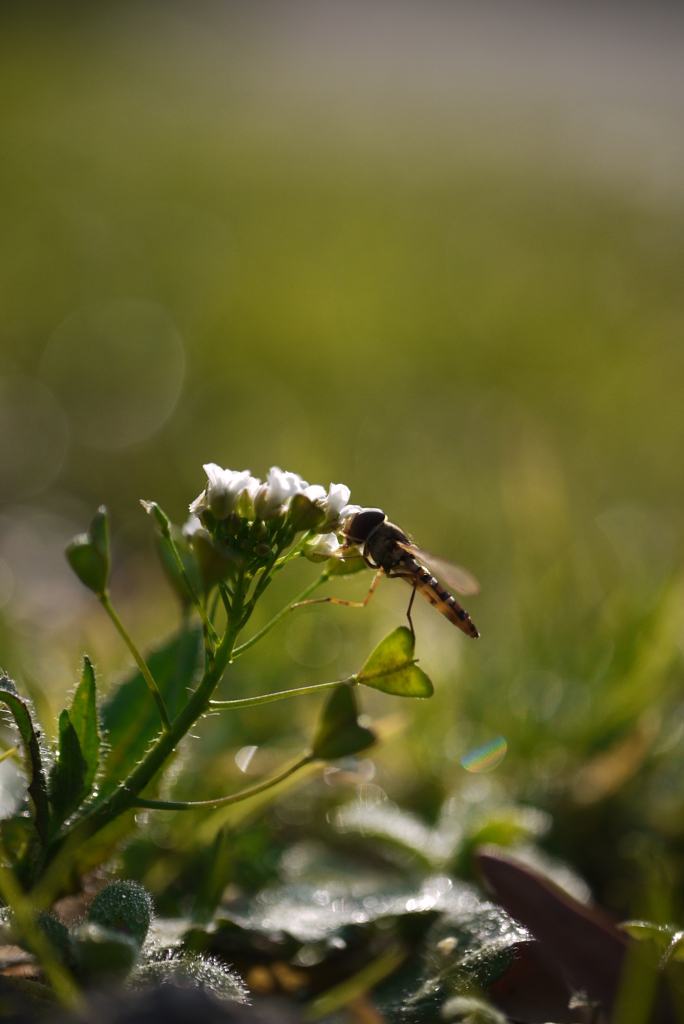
{"x": 386, "y": 548}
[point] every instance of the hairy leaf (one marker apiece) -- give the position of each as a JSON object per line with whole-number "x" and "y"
{"x": 83, "y": 715}
{"x": 67, "y": 778}
{"x": 34, "y": 766}
{"x": 392, "y": 668}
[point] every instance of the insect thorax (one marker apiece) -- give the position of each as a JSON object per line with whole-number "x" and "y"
{"x": 382, "y": 545}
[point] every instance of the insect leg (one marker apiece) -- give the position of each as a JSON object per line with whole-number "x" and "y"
{"x": 338, "y": 600}
{"x": 408, "y": 611}
{"x": 411, "y": 578}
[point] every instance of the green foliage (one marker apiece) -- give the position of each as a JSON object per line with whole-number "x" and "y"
{"x": 102, "y": 954}
{"x": 471, "y": 1010}
{"x": 392, "y": 668}
{"x": 84, "y": 719}
{"x": 519, "y": 413}
{"x": 89, "y": 556}
{"x": 73, "y": 773}
{"x": 338, "y": 733}
{"x": 57, "y": 934}
{"x": 130, "y": 718}
{"x": 67, "y": 779}
{"x": 304, "y": 514}
{"x": 32, "y": 755}
{"x": 185, "y": 967}
{"x": 123, "y": 907}
{"x": 190, "y": 564}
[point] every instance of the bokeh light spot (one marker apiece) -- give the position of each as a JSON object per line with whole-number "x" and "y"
{"x": 485, "y": 757}
{"x": 313, "y": 640}
{"x": 34, "y": 436}
{"x": 244, "y": 756}
{"x": 118, "y": 371}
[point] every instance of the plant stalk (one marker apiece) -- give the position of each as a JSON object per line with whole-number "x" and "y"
{"x": 140, "y": 661}
{"x": 282, "y": 614}
{"x": 250, "y": 702}
{"x": 222, "y": 801}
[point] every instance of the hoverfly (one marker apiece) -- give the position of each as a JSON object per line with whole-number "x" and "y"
{"x": 386, "y": 548}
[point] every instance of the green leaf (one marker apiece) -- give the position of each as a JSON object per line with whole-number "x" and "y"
{"x": 396, "y": 829}
{"x": 661, "y": 935}
{"x": 339, "y": 734}
{"x": 99, "y": 533}
{"x": 471, "y": 945}
{"x": 131, "y": 720}
{"x": 88, "y": 553}
{"x": 34, "y": 766}
{"x": 83, "y": 715}
{"x": 392, "y": 667}
{"x": 67, "y": 778}
{"x": 472, "y": 1010}
{"x": 102, "y": 954}
{"x": 84, "y": 559}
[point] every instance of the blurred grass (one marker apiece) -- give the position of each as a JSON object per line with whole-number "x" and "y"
{"x": 430, "y": 304}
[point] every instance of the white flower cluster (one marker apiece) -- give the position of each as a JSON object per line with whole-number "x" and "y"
{"x": 230, "y": 491}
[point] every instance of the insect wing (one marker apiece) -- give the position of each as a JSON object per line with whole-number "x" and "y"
{"x": 454, "y": 576}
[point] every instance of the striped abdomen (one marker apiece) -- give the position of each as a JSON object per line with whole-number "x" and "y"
{"x": 430, "y": 587}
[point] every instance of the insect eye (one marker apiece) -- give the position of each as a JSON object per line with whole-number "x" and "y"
{"x": 362, "y": 523}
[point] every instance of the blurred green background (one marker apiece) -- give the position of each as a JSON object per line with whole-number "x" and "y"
{"x": 433, "y": 251}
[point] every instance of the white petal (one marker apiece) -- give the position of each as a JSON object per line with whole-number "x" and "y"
{"x": 199, "y": 504}
{"x": 347, "y": 511}
{"x": 216, "y": 475}
{"x": 338, "y": 496}
{"x": 324, "y": 546}
{"x": 315, "y": 492}
{"x": 193, "y": 527}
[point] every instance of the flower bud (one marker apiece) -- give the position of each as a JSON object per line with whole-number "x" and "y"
{"x": 160, "y": 517}
{"x": 231, "y": 525}
{"x": 304, "y": 514}
{"x": 213, "y": 564}
{"x": 244, "y": 506}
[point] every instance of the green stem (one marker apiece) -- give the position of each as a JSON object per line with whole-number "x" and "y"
{"x": 296, "y": 551}
{"x": 278, "y": 562}
{"x": 222, "y": 591}
{"x": 206, "y": 622}
{"x": 214, "y": 605}
{"x": 123, "y": 798}
{"x": 234, "y": 798}
{"x": 57, "y": 974}
{"x": 283, "y": 613}
{"x": 250, "y": 702}
{"x": 144, "y": 670}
